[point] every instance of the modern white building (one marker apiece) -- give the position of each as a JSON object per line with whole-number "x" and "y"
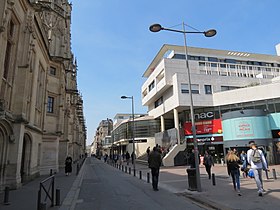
{"x": 222, "y": 81}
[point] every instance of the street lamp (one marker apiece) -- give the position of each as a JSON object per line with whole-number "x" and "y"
{"x": 212, "y": 32}
{"x": 133, "y": 128}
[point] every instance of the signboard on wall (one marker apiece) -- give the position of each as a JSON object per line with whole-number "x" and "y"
{"x": 256, "y": 127}
{"x": 244, "y": 128}
{"x": 204, "y": 127}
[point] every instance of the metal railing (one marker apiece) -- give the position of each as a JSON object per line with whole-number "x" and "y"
{"x": 46, "y": 188}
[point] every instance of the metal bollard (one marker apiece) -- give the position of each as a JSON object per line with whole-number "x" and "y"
{"x": 43, "y": 206}
{"x": 129, "y": 170}
{"x": 148, "y": 177}
{"x": 122, "y": 167}
{"x": 126, "y": 169}
{"x": 274, "y": 174}
{"x": 51, "y": 172}
{"x": 140, "y": 174}
{"x": 78, "y": 169}
{"x": 57, "y": 197}
{"x": 213, "y": 179}
{"x": 6, "y": 196}
{"x": 134, "y": 172}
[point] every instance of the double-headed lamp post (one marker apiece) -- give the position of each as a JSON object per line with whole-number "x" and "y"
{"x": 133, "y": 128}
{"x": 156, "y": 28}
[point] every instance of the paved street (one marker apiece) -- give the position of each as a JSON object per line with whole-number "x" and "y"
{"x": 103, "y": 186}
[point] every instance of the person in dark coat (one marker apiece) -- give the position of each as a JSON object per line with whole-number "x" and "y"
{"x": 68, "y": 165}
{"x": 192, "y": 159}
{"x": 154, "y": 161}
{"x": 208, "y": 162}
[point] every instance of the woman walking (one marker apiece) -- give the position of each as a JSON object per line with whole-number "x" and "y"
{"x": 68, "y": 165}
{"x": 233, "y": 170}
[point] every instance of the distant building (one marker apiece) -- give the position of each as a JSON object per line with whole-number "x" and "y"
{"x": 222, "y": 82}
{"x": 145, "y": 128}
{"x": 102, "y": 138}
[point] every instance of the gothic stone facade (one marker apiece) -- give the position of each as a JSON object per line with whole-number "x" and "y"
{"x": 41, "y": 110}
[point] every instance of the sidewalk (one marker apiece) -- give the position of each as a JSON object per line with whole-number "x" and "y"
{"x": 221, "y": 195}
{"x": 173, "y": 179}
{"x": 26, "y": 197}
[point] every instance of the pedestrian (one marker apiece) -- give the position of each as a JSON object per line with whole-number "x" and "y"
{"x": 148, "y": 151}
{"x": 154, "y": 161}
{"x": 192, "y": 159}
{"x": 265, "y": 155}
{"x": 68, "y": 165}
{"x": 244, "y": 168}
{"x": 233, "y": 170}
{"x": 127, "y": 157}
{"x": 132, "y": 157}
{"x": 258, "y": 163}
{"x": 105, "y": 158}
{"x": 208, "y": 163}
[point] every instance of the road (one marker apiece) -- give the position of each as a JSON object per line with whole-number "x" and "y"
{"x": 103, "y": 187}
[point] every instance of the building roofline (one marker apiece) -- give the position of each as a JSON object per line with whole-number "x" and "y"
{"x": 207, "y": 51}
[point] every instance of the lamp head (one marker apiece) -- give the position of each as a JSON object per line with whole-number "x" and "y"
{"x": 123, "y": 97}
{"x": 210, "y": 33}
{"x": 155, "y": 27}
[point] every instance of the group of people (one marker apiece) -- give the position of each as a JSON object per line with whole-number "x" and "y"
{"x": 254, "y": 158}
{"x": 125, "y": 157}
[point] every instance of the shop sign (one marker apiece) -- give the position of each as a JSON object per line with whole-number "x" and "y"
{"x": 204, "y": 115}
{"x": 204, "y": 127}
{"x": 244, "y": 128}
{"x": 209, "y": 139}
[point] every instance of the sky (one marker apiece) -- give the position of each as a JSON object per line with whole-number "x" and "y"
{"x": 113, "y": 45}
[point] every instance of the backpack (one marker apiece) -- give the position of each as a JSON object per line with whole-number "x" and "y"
{"x": 256, "y": 156}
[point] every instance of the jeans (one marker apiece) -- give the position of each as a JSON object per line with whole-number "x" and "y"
{"x": 235, "y": 178}
{"x": 155, "y": 175}
{"x": 258, "y": 179}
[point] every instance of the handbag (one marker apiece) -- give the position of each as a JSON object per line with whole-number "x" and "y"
{"x": 251, "y": 173}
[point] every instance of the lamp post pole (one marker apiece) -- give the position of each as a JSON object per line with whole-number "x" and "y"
{"x": 209, "y": 33}
{"x": 133, "y": 130}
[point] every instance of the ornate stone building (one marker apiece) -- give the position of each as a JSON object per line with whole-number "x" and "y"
{"x": 41, "y": 109}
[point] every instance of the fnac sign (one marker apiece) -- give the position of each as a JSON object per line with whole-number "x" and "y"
{"x": 204, "y": 127}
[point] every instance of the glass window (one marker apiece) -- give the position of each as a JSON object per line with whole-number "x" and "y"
{"x": 212, "y": 59}
{"x": 223, "y": 65}
{"x": 50, "y": 105}
{"x": 213, "y": 65}
{"x": 158, "y": 102}
{"x": 52, "y": 71}
{"x": 152, "y": 85}
{"x": 208, "y": 89}
{"x": 185, "y": 88}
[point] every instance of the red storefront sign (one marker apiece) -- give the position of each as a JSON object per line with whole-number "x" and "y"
{"x": 204, "y": 127}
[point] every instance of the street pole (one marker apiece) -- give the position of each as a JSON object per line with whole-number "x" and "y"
{"x": 156, "y": 28}
{"x": 196, "y": 153}
{"x": 133, "y": 137}
{"x": 133, "y": 130}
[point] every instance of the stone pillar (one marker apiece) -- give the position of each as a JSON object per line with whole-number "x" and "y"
{"x": 176, "y": 122}
{"x": 13, "y": 166}
{"x": 162, "y": 124}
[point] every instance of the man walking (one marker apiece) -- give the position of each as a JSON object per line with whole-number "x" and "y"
{"x": 154, "y": 161}
{"x": 258, "y": 163}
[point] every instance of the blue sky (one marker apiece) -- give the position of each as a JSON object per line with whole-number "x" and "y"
{"x": 113, "y": 45}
